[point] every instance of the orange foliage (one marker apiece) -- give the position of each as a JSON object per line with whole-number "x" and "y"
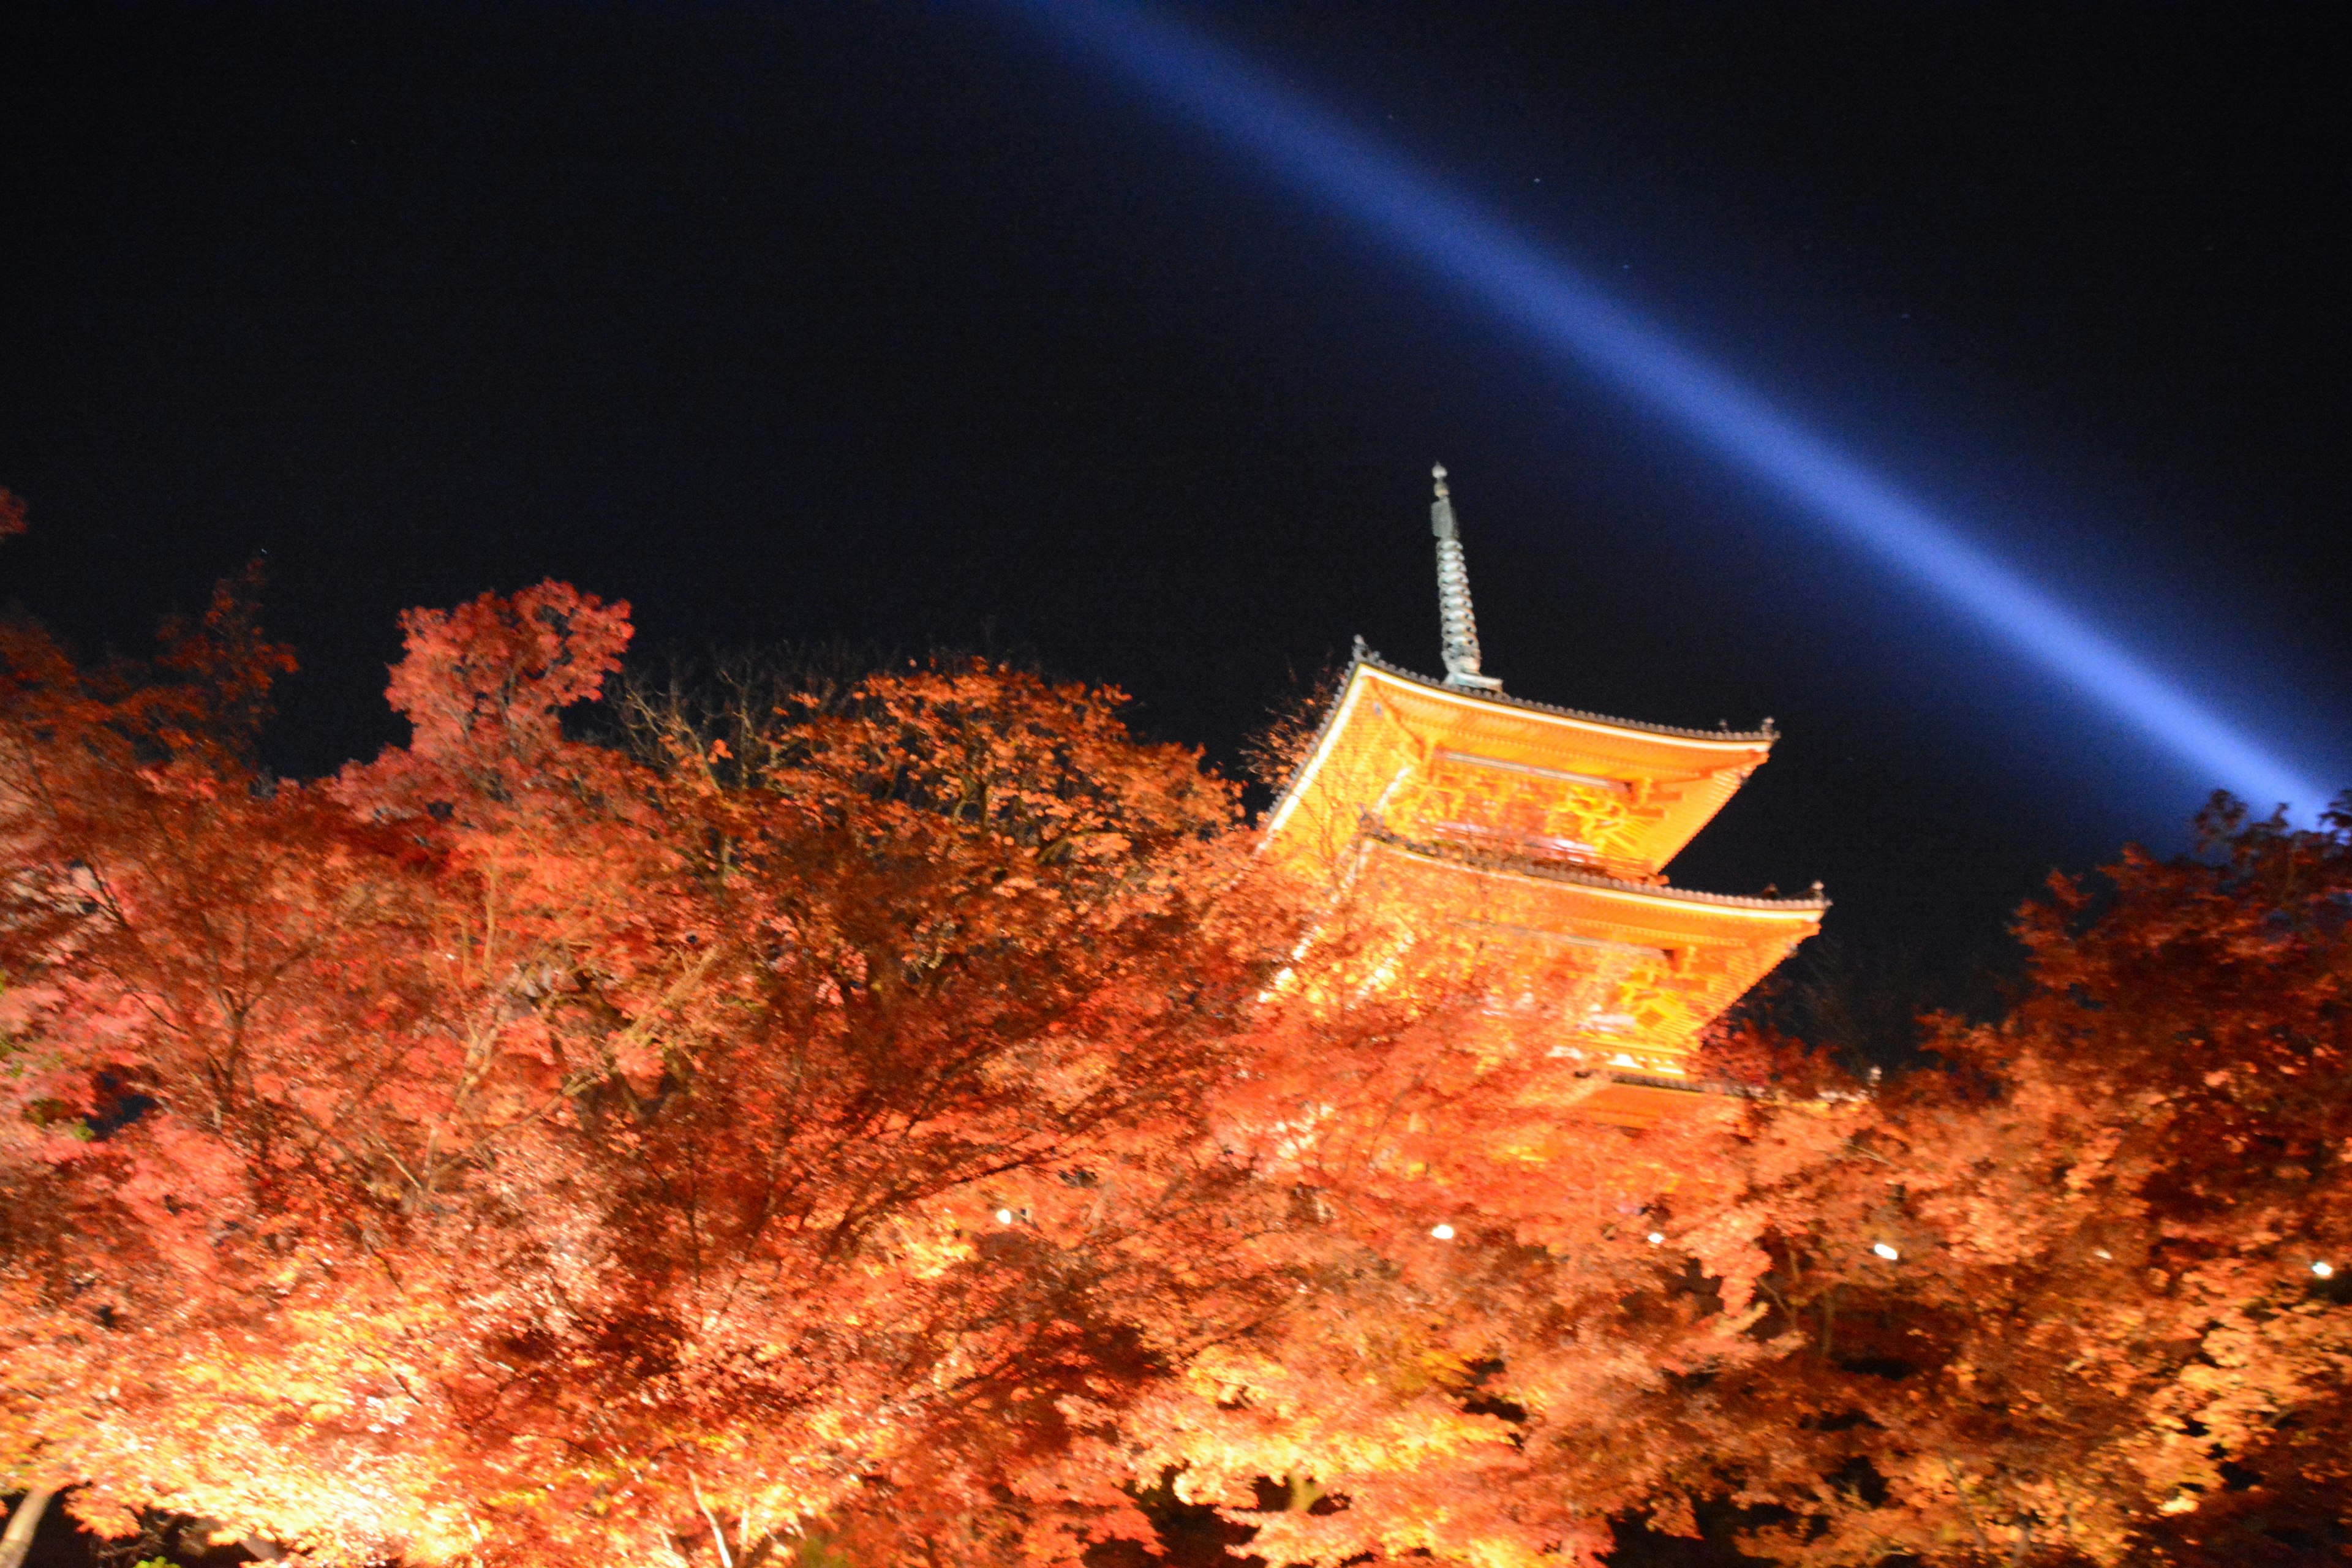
{"x": 2076, "y": 1296}
{"x": 2105, "y": 1337}
{"x": 916, "y": 1119}
{"x": 510, "y": 1149}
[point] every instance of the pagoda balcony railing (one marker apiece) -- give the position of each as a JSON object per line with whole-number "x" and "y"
{"x": 1538, "y": 849}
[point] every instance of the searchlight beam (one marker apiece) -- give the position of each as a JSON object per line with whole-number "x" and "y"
{"x": 1315, "y": 153}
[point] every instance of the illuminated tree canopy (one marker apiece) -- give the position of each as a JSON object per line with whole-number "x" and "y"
{"x": 909, "y": 1122}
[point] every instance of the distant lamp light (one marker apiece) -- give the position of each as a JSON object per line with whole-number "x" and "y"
{"x": 2103, "y": 1252}
{"x": 1443, "y": 1232}
{"x": 2325, "y": 1269}
{"x": 1657, "y": 1238}
{"x": 1004, "y": 1216}
{"x": 1886, "y": 1251}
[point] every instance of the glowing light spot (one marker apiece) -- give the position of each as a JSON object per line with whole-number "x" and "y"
{"x": 1555, "y": 307}
{"x": 2102, "y": 1252}
{"x": 1004, "y": 1216}
{"x": 2324, "y": 1269}
{"x": 1886, "y": 1251}
{"x": 1443, "y": 1232}
{"x": 1657, "y": 1238}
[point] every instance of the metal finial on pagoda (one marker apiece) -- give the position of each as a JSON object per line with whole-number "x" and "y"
{"x": 1458, "y": 625}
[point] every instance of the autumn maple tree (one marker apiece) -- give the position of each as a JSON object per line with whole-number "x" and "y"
{"x": 2078, "y": 1299}
{"x": 513, "y": 1147}
{"x": 2072, "y": 1293}
{"x": 897, "y": 1118}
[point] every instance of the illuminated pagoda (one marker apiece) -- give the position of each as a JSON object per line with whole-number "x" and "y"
{"x": 1528, "y": 843}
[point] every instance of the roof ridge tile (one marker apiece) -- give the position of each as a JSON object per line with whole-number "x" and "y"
{"x": 1640, "y": 726}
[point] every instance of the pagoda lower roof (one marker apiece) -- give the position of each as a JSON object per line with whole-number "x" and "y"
{"x": 1629, "y": 973}
{"x": 1638, "y": 1101}
{"x": 1557, "y": 871}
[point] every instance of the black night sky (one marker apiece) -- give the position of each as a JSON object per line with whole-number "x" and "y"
{"x": 893, "y": 323}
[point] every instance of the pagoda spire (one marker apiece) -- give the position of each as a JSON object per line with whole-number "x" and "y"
{"x": 1459, "y": 626}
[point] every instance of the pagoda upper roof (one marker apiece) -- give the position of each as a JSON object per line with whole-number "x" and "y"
{"x": 1621, "y": 796}
{"x": 1764, "y": 736}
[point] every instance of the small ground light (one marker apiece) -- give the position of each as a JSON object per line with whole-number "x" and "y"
{"x": 1004, "y": 1216}
{"x": 1443, "y": 1232}
{"x": 1657, "y": 1238}
{"x": 2324, "y": 1269}
{"x": 1886, "y": 1251}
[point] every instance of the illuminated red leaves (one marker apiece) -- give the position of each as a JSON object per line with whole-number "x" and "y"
{"x": 489, "y": 676}
{"x": 907, "y": 1115}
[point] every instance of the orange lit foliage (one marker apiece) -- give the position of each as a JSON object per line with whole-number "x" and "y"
{"x": 1488, "y": 1356}
{"x": 508, "y": 1149}
{"x": 519, "y": 1151}
{"x": 512, "y": 1149}
{"x": 2102, "y": 1339}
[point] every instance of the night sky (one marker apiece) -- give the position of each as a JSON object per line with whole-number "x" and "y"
{"x": 898, "y": 325}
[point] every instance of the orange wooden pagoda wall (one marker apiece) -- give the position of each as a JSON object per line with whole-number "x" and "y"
{"x": 1521, "y": 848}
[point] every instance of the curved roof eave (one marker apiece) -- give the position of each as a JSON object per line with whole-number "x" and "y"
{"x": 1365, "y": 658}
{"x": 1552, "y": 872}
{"x": 1764, "y": 736}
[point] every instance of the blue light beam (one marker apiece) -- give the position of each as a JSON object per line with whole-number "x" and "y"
{"x": 1481, "y": 257}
